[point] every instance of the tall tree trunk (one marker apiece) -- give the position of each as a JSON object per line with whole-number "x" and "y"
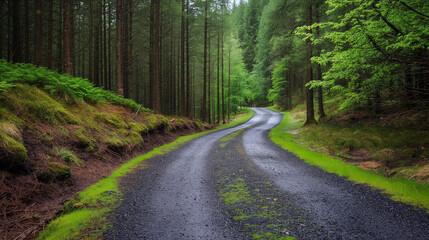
{"x": 309, "y": 76}
{"x": 17, "y": 44}
{"x": 218, "y": 75}
{"x": 91, "y": 44}
{"x": 223, "y": 82}
{"x": 38, "y": 31}
{"x": 204, "y": 102}
{"x": 188, "y": 79}
{"x": 60, "y": 41}
{"x": 182, "y": 67}
{"x": 109, "y": 49}
{"x": 130, "y": 48}
{"x": 155, "y": 71}
{"x": 119, "y": 79}
{"x": 68, "y": 36}
{"x": 125, "y": 49}
{"x": 209, "y": 81}
{"x": 322, "y": 113}
{"x": 97, "y": 45}
{"x": 50, "y": 36}
{"x": 27, "y": 34}
{"x": 105, "y": 60}
{"x": 229, "y": 83}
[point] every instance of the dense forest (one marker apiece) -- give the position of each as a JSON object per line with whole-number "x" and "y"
{"x": 205, "y": 58}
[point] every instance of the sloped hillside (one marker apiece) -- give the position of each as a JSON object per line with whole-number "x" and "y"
{"x": 59, "y": 134}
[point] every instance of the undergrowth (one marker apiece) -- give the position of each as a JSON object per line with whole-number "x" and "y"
{"x": 56, "y": 84}
{"x": 400, "y": 189}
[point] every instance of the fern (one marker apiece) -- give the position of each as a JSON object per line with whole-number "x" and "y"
{"x": 74, "y": 88}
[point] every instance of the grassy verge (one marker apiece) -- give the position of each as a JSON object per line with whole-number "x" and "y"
{"x": 85, "y": 215}
{"x": 399, "y": 189}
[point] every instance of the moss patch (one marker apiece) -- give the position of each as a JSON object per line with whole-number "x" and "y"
{"x": 13, "y": 154}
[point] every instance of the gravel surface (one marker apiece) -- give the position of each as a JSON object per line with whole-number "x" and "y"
{"x": 179, "y": 196}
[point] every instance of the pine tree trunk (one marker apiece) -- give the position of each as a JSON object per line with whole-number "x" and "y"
{"x": 109, "y": 48}
{"x": 182, "y": 67}
{"x": 155, "y": 63}
{"x": 68, "y": 36}
{"x": 17, "y": 44}
{"x": 223, "y": 82}
{"x": 322, "y": 113}
{"x": 105, "y": 60}
{"x": 38, "y": 31}
{"x": 229, "y": 84}
{"x": 125, "y": 49}
{"x": 50, "y": 36}
{"x": 130, "y": 48}
{"x": 188, "y": 79}
{"x": 210, "y": 115}
{"x": 119, "y": 79}
{"x": 218, "y": 75}
{"x": 27, "y": 34}
{"x": 309, "y": 76}
{"x": 97, "y": 47}
{"x": 204, "y": 102}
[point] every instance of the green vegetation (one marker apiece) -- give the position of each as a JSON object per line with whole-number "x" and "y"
{"x": 70, "y": 88}
{"x": 399, "y": 189}
{"x": 69, "y": 156}
{"x": 105, "y": 195}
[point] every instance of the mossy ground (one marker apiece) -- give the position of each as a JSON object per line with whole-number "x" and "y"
{"x": 400, "y": 189}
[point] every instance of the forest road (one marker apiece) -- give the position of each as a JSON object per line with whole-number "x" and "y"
{"x": 178, "y": 196}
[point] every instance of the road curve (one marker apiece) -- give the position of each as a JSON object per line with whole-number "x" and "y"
{"x": 177, "y": 198}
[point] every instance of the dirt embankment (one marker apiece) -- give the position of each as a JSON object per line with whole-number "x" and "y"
{"x": 50, "y": 149}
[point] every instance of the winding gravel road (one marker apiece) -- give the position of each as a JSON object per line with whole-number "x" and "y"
{"x": 178, "y": 196}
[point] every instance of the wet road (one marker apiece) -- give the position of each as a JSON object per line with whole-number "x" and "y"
{"x": 177, "y": 197}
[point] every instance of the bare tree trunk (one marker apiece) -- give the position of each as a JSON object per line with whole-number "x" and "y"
{"x": 106, "y": 73}
{"x": 17, "y": 44}
{"x": 209, "y": 81}
{"x": 182, "y": 68}
{"x": 38, "y": 31}
{"x": 229, "y": 83}
{"x": 309, "y": 76}
{"x": 204, "y": 102}
{"x": 188, "y": 79}
{"x": 223, "y": 82}
{"x": 60, "y": 41}
{"x": 97, "y": 46}
{"x": 155, "y": 71}
{"x": 218, "y": 75}
{"x": 50, "y": 36}
{"x": 119, "y": 79}
{"x": 68, "y": 36}
{"x": 130, "y": 48}
{"x": 27, "y": 34}
{"x": 109, "y": 48}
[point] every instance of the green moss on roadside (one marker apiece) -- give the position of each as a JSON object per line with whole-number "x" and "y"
{"x": 55, "y": 171}
{"x": 36, "y": 105}
{"x": 13, "y": 154}
{"x": 138, "y": 127}
{"x": 400, "y": 189}
{"x": 82, "y": 138}
{"x": 112, "y": 119}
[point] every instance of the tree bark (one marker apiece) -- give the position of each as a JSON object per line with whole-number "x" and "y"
{"x": 218, "y": 75}
{"x": 119, "y": 79}
{"x": 309, "y": 76}
{"x": 182, "y": 67}
{"x": 204, "y": 102}
{"x": 321, "y": 109}
{"x": 17, "y": 44}
{"x": 38, "y": 31}
{"x": 188, "y": 79}
{"x": 68, "y": 36}
{"x": 155, "y": 71}
{"x": 50, "y": 36}
{"x": 97, "y": 46}
{"x": 27, "y": 34}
